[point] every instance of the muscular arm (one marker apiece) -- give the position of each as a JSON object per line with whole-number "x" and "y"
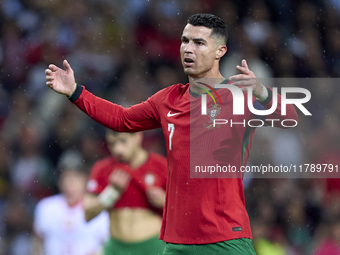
{"x": 92, "y": 206}
{"x": 140, "y": 117}
{"x": 136, "y": 118}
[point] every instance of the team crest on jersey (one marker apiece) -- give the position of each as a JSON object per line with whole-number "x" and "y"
{"x": 149, "y": 179}
{"x": 212, "y": 113}
{"x": 91, "y": 185}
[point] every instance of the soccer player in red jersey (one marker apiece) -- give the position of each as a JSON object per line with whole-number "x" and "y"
{"x": 130, "y": 184}
{"x": 201, "y": 216}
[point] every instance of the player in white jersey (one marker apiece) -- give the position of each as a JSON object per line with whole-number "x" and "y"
{"x": 59, "y": 221}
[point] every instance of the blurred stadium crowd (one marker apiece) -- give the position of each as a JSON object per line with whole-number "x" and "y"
{"x": 125, "y": 51}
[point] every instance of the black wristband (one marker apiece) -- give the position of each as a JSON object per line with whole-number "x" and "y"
{"x": 76, "y": 94}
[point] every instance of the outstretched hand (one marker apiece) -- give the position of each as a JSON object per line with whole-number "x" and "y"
{"x": 247, "y": 79}
{"x": 61, "y": 81}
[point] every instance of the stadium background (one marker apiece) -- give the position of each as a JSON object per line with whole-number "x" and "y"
{"x": 125, "y": 51}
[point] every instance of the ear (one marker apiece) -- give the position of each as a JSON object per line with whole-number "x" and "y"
{"x": 221, "y": 50}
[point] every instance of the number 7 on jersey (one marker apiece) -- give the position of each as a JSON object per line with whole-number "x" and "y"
{"x": 171, "y": 128}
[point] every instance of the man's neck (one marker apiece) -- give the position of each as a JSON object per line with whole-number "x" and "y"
{"x": 72, "y": 200}
{"x": 197, "y": 83}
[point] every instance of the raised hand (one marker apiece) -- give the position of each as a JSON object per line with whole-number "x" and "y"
{"x": 246, "y": 79}
{"x": 119, "y": 179}
{"x": 61, "y": 81}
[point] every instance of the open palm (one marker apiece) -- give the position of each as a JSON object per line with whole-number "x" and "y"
{"x": 61, "y": 81}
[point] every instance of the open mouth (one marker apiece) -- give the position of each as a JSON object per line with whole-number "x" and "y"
{"x": 189, "y": 61}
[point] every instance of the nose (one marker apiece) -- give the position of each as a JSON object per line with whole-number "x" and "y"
{"x": 188, "y": 47}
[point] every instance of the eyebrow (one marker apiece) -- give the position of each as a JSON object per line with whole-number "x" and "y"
{"x": 195, "y": 39}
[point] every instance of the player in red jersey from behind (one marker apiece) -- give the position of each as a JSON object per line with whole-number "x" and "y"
{"x": 201, "y": 216}
{"x": 130, "y": 184}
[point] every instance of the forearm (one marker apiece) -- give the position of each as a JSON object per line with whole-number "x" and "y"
{"x": 136, "y": 118}
{"x": 92, "y": 207}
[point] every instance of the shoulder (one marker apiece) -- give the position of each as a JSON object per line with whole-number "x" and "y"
{"x": 104, "y": 163}
{"x": 50, "y": 202}
{"x": 158, "y": 166}
{"x": 173, "y": 90}
{"x": 178, "y": 88}
{"x": 157, "y": 158}
{"x": 158, "y": 162}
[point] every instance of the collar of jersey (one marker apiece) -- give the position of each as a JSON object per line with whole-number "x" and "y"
{"x": 194, "y": 94}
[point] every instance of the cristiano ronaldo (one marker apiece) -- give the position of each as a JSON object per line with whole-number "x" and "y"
{"x": 201, "y": 216}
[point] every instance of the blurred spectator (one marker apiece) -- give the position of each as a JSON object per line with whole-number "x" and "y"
{"x": 31, "y": 173}
{"x": 330, "y": 244}
{"x": 59, "y": 220}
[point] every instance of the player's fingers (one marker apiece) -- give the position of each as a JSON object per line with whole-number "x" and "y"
{"x": 67, "y": 66}
{"x": 49, "y": 84}
{"x": 116, "y": 172}
{"x": 244, "y": 70}
{"x": 239, "y": 77}
{"x": 49, "y": 78}
{"x": 243, "y": 83}
{"x": 244, "y": 64}
{"x": 122, "y": 176}
{"x": 121, "y": 173}
{"x": 112, "y": 177}
{"x": 48, "y": 72}
{"x": 126, "y": 177}
{"x": 53, "y": 68}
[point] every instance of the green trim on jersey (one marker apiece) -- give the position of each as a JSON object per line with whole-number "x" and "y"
{"x": 246, "y": 140}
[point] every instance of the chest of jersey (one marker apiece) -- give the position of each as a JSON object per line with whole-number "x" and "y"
{"x": 150, "y": 174}
{"x": 193, "y": 137}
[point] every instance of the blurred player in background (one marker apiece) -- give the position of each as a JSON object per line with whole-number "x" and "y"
{"x": 130, "y": 184}
{"x": 202, "y": 216}
{"x": 59, "y": 221}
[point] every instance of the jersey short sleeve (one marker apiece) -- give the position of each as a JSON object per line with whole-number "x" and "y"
{"x": 139, "y": 117}
{"x": 97, "y": 181}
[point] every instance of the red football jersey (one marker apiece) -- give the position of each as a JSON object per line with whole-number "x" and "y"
{"x": 152, "y": 173}
{"x": 197, "y": 210}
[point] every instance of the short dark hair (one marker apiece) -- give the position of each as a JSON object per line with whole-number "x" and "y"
{"x": 219, "y": 28}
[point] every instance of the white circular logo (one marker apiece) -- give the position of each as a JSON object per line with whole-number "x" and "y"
{"x": 91, "y": 185}
{"x": 149, "y": 179}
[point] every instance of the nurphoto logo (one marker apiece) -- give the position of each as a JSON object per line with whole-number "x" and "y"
{"x": 238, "y": 105}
